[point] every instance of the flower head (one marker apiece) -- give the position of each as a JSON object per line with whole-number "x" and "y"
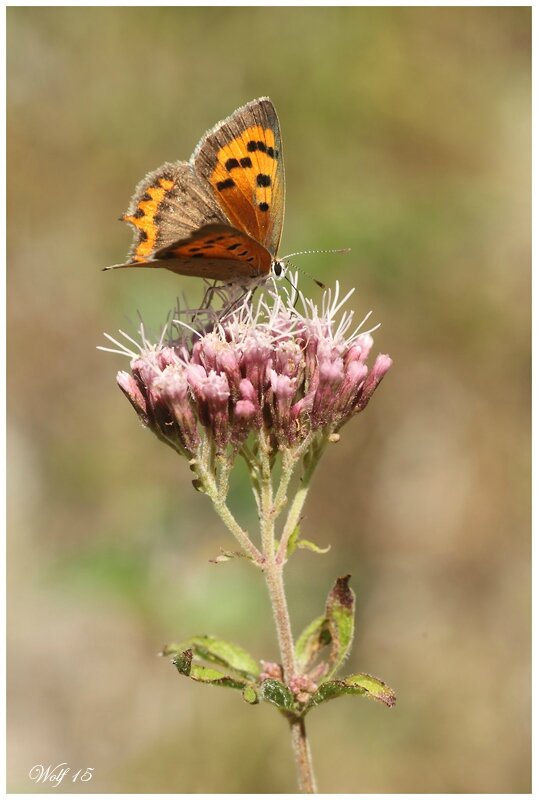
{"x": 282, "y": 366}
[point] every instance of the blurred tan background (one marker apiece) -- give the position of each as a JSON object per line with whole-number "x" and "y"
{"x": 407, "y": 138}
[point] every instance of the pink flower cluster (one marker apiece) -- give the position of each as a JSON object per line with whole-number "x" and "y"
{"x": 274, "y": 368}
{"x": 303, "y": 687}
{"x": 270, "y": 670}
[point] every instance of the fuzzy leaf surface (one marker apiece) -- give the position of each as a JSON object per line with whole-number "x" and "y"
{"x": 314, "y": 638}
{"x": 197, "y": 672}
{"x": 250, "y": 695}
{"x": 218, "y": 651}
{"x": 278, "y": 694}
{"x": 340, "y": 613}
{"x": 359, "y": 684}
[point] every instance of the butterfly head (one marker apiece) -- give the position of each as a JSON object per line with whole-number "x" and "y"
{"x": 279, "y": 267}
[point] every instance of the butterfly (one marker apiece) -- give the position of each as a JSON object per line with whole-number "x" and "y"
{"x": 220, "y": 214}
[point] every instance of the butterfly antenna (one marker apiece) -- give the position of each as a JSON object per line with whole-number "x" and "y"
{"x": 294, "y": 287}
{"x": 303, "y": 272}
{"x": 341, "y": 251}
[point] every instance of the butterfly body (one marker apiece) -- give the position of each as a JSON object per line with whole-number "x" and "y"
{"x": 219, "y": 215}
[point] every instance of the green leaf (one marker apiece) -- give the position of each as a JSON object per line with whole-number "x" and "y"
{"x": 292, "y": 542}
{"x": 278, "y": 694}
{"x": 340, "y": 613}
{"x": 359, "y": 684}
{"x": 219, "y": 652}
{"x": 314, "y": 638}
{"x": 214, "y": 677}
{"x": 184, "y": 665}
{"x": 304, "y": 544}
{"x": 183, "y": 662}
{"x": 250, "y": 695}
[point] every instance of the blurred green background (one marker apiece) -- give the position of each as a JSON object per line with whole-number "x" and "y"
{"x": 407, "y": 138}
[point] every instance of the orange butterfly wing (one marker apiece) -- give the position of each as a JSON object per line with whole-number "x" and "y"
{"x": 241, "y": 159}
{"x": 194, "y": 218}
{"x": 220, "y": 252}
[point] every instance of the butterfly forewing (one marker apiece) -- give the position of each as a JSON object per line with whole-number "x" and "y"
{"x": 168, "y": 204}
{"x": 241, "y": 159}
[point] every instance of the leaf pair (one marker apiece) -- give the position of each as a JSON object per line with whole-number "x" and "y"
{"x": 330, "y": 635}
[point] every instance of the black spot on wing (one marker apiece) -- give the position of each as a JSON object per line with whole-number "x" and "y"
{"x": 263, "y": 206}
{"x": 227, "y": 184}
{"x": 246, "y": 162}
{"x": 263, "y": 180}
{"x": 252, "y": 146}
{"x": 231, "y": 163}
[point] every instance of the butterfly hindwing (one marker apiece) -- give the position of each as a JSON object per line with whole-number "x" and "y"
{"x": 214, "y": 251}
{"x": 241, "y": 159}
{"x": 206, "y": 267}
{"x": 223, "y": 243}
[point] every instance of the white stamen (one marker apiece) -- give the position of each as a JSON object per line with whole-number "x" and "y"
{"x": 130, "y": 339}
{"x": 188, "y": 327}
{"x": 111, "y": 350}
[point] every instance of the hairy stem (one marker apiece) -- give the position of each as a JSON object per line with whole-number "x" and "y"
{"x": 288, "y": 464}
{"x": 274, "y": 578}
{"x": 275, "y": 585}
{"x": 303, "y": 757}
{"x": 235, "y": 528}
{"x": 217, "y": 490}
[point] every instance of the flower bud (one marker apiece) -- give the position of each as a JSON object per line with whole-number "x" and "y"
{"x": 174, "y": 390}
{"x": 131, "y": 390}
{"x": 382, "y": 365}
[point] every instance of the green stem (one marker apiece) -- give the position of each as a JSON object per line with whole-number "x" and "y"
{"x": 299, "y": 500}
{"x": 288, "y": 464}
{"x": 235, "y": 528}
{"x": 217, "y": 496}
{"x": 274, "y": 578}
